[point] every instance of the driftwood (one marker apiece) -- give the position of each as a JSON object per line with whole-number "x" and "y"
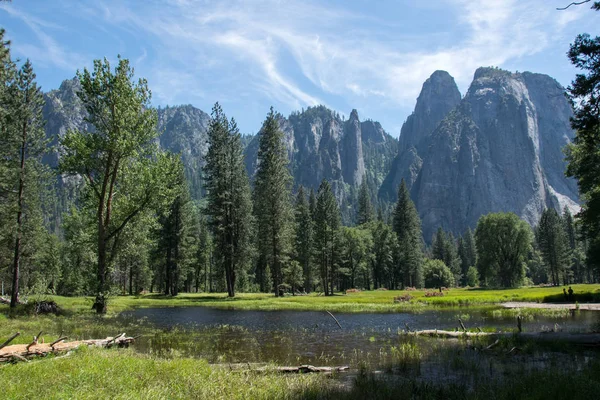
{"x": 20, "y": 352}
{"x": 305, "y": 369}
{"x": 302, "y": 369}
{"x": 574, "y": 338}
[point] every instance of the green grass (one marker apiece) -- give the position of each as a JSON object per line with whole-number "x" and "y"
{"x": 124, "y": 374}
{"x": 368, "y": 301}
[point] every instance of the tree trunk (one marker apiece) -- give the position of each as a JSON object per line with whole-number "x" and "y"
{"x": 168, "y": 271}
{"x": 14, "y": 298}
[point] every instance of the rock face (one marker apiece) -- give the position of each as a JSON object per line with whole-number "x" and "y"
{"x": 323, "y": 146}
{"x": 438, "y": 97}
{"x": 184, "y": 131}
{"x": 500, "y": 149}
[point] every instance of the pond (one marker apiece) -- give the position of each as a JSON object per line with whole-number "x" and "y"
{"x": 307, "y": 337}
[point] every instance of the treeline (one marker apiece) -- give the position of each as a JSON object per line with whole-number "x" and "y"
{"x": 133, "y": 226}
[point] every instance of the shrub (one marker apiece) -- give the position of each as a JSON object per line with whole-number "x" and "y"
{"x": 472, "y": 277}
{"x": 437, "y": 274}
{"x": 352, "y": 291}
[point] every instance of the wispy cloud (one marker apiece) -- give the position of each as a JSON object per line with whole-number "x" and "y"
{"x": 300, "y": 52}
{"x": 48, "y": 51}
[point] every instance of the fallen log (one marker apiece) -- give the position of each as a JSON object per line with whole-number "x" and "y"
{"x": 573, "y": 338}
{"x": 19, "y": 352}
{"x": 302, "y": 369}
{"x": 306, "y": 369}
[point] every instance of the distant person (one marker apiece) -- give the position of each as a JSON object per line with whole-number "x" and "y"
{"x": 566, "y": 295}
{"x": 570, "y": 293}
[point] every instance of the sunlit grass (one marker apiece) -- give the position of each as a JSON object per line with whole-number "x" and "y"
{"x": 124, "y": 374}
{"x": 366, "y": 301}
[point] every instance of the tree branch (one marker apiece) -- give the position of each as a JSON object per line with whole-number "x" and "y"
{"x": 575, "y": 3}
{"x": 128, "y": 218}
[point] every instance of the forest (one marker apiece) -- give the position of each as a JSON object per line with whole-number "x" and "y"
{"x": 132, "y": 227}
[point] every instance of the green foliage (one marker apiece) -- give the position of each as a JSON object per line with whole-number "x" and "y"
{"x": 503, "y": 243}
{"x": 385, "y": 270}
{"x": 583, "y": 155}
{"x": 356, "y": 246}
{"x": 272, "y": 202}
{"x": 229, "y": 199}
{"x": 304, "y": 239}
{"x": 23, "y": 178}
{"x": 365, "y": 208}
{"x": 444, "y": 248}
{"x": 327, "y": 225}
{"x": 436, "y": 274}
{"x": 407, "y": 226}
{"x": 471, "y": 277}
{"x": 124, "y": 171}
{"x": 467, "y": 252}
{"x": 553, "y": 243}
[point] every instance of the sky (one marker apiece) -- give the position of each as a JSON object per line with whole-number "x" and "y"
{"x": 369, "y": 55}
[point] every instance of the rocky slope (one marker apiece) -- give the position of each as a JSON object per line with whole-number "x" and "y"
{"x": 500, "y": 149}
{"x": 322, "y": 145}
{"x": 438, "y": 97}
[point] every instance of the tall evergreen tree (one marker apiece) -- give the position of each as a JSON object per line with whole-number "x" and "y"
{"x": 383, "y": 266}
{"x": 229, "y": 198}
{"x": 123, "y": 168}
{"x": 312, "y": 203}
{"x": 467, "y": 253}
{"x": 583, "y": 154}
{"x": 327, "y": 223}
{"x": 304, "y": 238}
{"x": 407, "y": 226}
{"x": 554, "y": 246}
{"x": 365, "y": 208}
{"x": 175, "y": 224}
{"x": 272, "y": 201}
{"x": 25, "y": 144}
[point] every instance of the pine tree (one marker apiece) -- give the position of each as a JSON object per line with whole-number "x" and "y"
{"x": 467, "y": 253}
{"x": 583, "y": 155}
{"x": 175, "y": 224}
{"x": 312, "y": 204}
{"x": 438, "y": 247}
{"x": 304, "y": 238}
{"x": 327, "y": 223}
{"x": 229, "y": 199}
{"x": 407, "y": 226}
{"x": 384, "y": 269}
{"x": 272, "y": 201}
{"x": 365, "y": 208}
{"x": 25, "y": 144}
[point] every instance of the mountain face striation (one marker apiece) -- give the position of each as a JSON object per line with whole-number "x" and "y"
{"x": 499, "y": 149}
{"x": 438, "y": 97}
{"x": 322, "y": 145}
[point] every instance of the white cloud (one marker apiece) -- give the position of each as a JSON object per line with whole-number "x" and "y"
{"x": 299, "y": 53}
{"x": 48, "y": 51}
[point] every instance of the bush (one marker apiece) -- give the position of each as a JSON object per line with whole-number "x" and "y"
{"x": 472, "y": 277}
{"x": 437, "y": 274}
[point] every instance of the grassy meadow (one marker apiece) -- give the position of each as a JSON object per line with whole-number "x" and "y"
{"x": 130, "y": 374}
{"x": 366, "y": 301}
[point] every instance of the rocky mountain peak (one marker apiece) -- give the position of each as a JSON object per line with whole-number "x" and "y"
{"x": 439, "y": 95}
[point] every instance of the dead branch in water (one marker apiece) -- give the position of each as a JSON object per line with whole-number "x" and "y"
{"x": 20, "y": 352}
{"x": 335, "y": 319}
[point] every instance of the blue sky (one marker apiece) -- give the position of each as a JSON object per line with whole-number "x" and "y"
{"x": 248, "y": 55}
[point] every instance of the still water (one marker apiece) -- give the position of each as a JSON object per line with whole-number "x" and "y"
{"x": 298, "y": 337}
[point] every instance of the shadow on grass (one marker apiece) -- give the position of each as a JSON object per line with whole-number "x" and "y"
{"x": 585, "y": 297}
